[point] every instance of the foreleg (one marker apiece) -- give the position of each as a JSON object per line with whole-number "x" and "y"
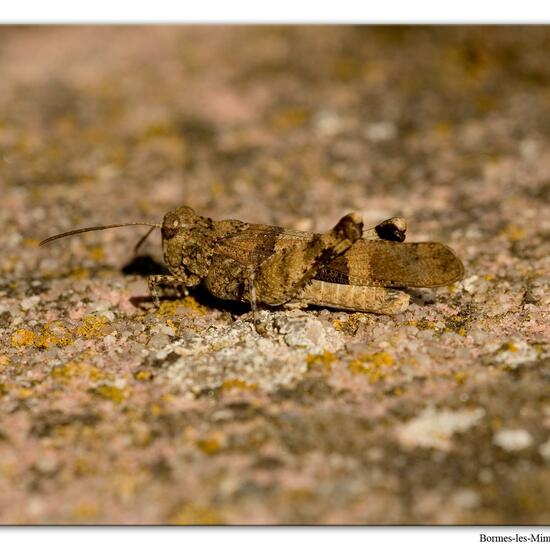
{"x": 155, "y": 282}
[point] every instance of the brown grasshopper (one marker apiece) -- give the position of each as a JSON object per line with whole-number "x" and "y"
{"x": 345, "y": 268}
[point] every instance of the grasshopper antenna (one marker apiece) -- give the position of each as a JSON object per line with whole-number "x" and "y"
{"x": 144, "y": 238}
{"x": 100, "y": 228}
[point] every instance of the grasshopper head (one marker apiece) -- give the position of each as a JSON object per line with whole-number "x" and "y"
{"x": 184, "y": 238}
{"x": 177, "y": 221}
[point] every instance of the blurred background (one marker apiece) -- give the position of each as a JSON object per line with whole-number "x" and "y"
{"x": 287, "y": 125}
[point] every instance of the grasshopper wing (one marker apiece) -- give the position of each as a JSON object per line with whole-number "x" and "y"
{"x": 366, "y": 263}
{"x": 255, "y": 243}
{"x": 392, "y": 264}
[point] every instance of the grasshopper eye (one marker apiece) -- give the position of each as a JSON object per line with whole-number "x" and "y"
{"x": 170, "y": 227}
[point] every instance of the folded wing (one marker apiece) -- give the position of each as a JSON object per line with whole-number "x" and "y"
{"x": 386, "y": 263}
{"x": 366, "y": 263}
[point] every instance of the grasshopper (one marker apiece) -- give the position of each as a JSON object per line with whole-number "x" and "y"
{"x": 347, "y": 267}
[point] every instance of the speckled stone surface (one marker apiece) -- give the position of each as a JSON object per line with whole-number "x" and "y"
{"x": 112, "y": 411}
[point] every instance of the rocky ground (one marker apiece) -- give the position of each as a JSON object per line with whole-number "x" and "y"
{"x": 113, "y": 411}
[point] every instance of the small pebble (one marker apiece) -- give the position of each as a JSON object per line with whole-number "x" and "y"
{"x": 158, "y": 341}
{"x": 512, "y": 440}
{"x": 30, "y": 303}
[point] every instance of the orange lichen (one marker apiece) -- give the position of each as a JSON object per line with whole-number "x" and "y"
{"x": 158, "y": 129}
{"x": 125, "y": 486}
{"x": 143, "y": 375}
{"x": 53, "y": 334}
{"x": 423, "y": 324}
{"x": 239, "y": 384}
{"x": 170, "y": 308}
{"x": 111, "y": 393}
{"x": 216, "y": 189}
{"x": 92, "y": 326}
{"x": 513, "y": 232}
{"x": 80, "y": 273}
{"x": 321, "y": 361}
{"x": 211, "y": 444}
{"x": 347, "y": 326}
{"x": 9, "y": 263}
{"x": 22, "y": 337}
{"x": 97, "y": 253}
{"x": 31, "y": 243}
{"x": 192, "y": 304}
{"x": 72, "y": 370}
{"x": 289, "y": 118}
{"x": 194, "y": 514}
{"x": 85, "y": 511}
{"x": 443, "y": 128}
{"x": 24, "y": 393}
{"x": 84, "y": 467}
{"x": 156, "y": 409}
{"x": 374, "y": 366}
{"x": 460, "y": 377}
{"x": 346, "y": 68}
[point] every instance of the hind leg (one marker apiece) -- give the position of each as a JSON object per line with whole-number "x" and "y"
{"x": 393, "y": 229}
{"x": 372, "y": 299}
{"x": 284, "y": 274}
